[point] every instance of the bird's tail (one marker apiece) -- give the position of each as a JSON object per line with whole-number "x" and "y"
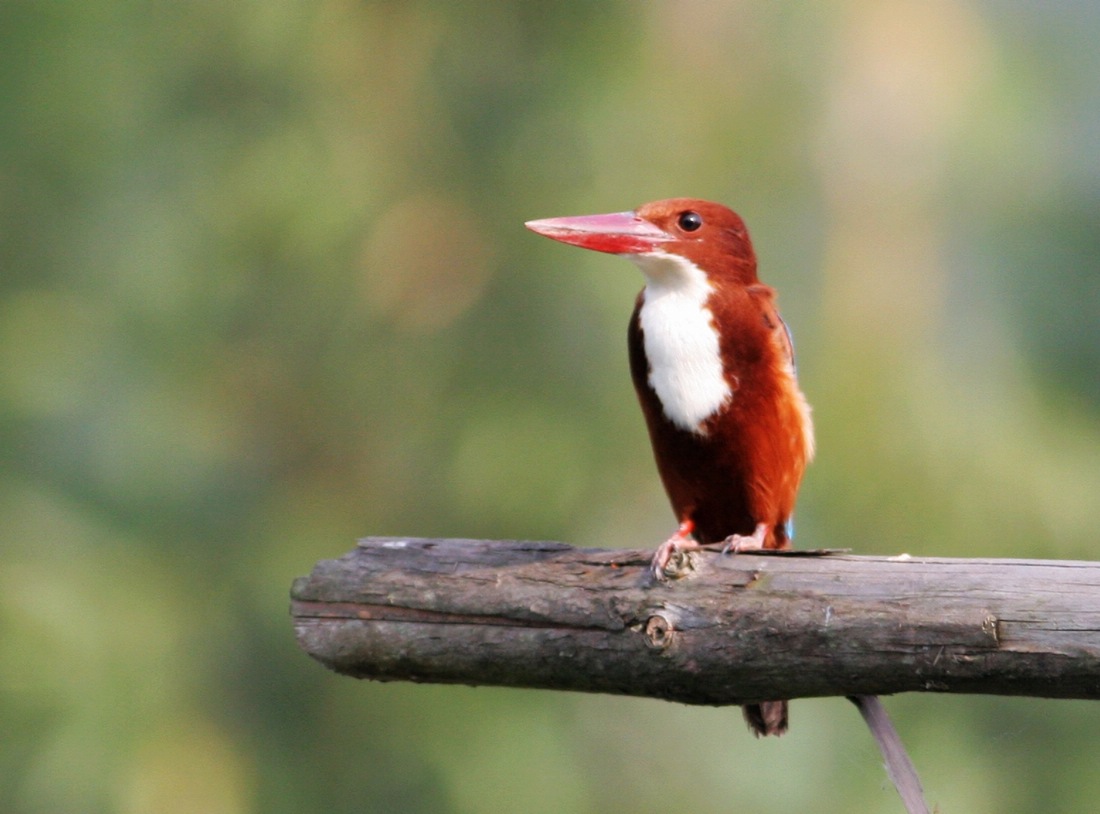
{"x": 766, "y": 718}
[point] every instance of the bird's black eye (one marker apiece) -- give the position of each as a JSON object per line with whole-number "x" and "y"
{"x": 689, "y": 221}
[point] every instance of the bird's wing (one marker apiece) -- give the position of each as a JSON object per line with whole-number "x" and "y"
{"x": 786, "y": 341}
{"x": 764, "y": 295}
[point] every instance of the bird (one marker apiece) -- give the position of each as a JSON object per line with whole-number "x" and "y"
{"x": 713, "y": 366}
{"x": 714, "y": 369}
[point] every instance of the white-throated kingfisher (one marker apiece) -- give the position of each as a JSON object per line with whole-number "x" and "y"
{"x": 714, "y": 370}
{"x": 713, "y": 367}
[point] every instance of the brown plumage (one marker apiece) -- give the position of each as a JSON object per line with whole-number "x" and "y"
{"x": 713, "y": 368}
{"x": 745, "y": 466}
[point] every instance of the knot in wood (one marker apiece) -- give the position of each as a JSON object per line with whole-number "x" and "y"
{"x": 991, "y": 626}
{"x": 659, "y": 632}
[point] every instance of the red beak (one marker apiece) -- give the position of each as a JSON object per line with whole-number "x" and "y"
{"x": 617, "y": 233}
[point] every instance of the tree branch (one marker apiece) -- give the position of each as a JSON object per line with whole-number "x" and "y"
{"x": 731, "y": 630}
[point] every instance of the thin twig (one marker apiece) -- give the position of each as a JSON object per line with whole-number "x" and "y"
{"x": 899, "y": 767}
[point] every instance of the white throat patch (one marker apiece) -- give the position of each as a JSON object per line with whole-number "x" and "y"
{"x": 681, "y": 342}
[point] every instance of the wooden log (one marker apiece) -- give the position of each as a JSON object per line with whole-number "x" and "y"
{"x": 725, "y": 629}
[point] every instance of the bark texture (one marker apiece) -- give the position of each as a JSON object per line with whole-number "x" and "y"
{"x": 725, "y": 630}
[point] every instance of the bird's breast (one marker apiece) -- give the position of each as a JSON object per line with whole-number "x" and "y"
{"x": 683, "y": 353}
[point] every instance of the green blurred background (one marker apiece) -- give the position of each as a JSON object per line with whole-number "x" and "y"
{"x": 265, "y": 289}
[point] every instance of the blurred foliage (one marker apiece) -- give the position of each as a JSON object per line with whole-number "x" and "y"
{"x": 266, "y": 289}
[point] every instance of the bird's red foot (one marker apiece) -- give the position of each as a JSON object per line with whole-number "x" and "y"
{"x": 679, "y": 542}
{"x": 736, "y": 543}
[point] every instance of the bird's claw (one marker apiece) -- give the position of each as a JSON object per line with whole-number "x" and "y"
{"x": 669, "y": 560}
{"x": 738, "y": 543}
